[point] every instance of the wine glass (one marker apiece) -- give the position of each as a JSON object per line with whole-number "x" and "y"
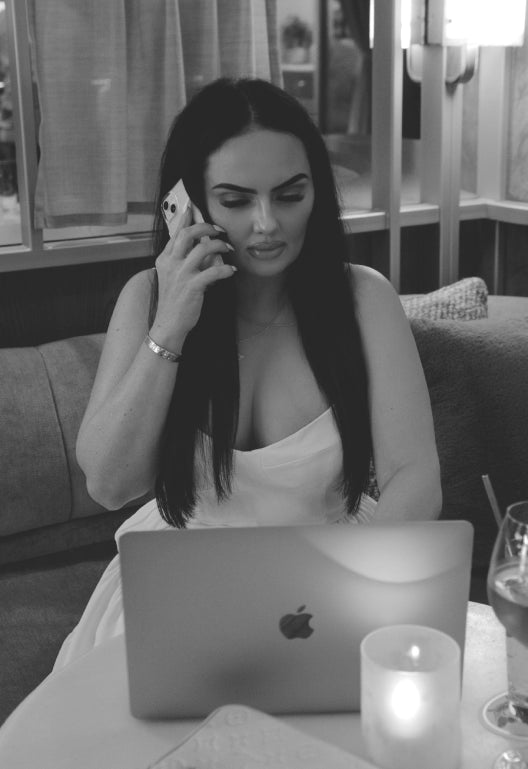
{"x": 507, "y": 713}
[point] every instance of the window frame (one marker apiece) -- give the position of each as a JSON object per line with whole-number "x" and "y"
{"x": 441, "y": 125}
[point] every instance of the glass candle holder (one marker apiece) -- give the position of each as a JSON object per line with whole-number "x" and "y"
{"x": 410, "y": 697}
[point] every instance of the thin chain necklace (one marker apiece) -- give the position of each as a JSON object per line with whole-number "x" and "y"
{"x": 263, "y": 330}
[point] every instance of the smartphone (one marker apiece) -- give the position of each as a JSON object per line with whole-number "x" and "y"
{"x": 173, "y": 208}
{"x": 175, "y": 204}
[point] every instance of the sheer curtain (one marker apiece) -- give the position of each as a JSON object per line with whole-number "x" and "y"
{"x": 517, "y": 161}
{"x": 111, "y": 76}
{"x": 356, "y": 13}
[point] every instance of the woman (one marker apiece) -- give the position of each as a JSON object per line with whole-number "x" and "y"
{"x": 272, "y": 370}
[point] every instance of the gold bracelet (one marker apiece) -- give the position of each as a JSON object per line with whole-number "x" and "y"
{"x": 162, "y": 351}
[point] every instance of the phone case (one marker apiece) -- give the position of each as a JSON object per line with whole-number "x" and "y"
{"x": 174, "y": 205}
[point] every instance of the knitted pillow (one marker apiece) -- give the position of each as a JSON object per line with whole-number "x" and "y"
{"x": 465, "y": 300}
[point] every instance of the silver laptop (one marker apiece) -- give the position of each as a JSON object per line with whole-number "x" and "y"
{"x": 273, "y": 617}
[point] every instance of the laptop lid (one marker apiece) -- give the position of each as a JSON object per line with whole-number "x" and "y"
{"x": 273, "y": 617}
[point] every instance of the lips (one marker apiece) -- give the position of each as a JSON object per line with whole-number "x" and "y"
{"x": 267, "y": 250}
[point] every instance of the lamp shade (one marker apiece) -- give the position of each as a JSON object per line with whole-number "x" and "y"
{"x": 476, "y": 22}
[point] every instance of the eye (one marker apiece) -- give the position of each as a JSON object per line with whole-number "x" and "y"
{"x": 234, "y": 203}
{"x": 292, "y": 198}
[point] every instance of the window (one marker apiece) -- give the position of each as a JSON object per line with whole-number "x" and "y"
{"x": 10, "y": 231}
{"x": 396, "y": 141}
{"x": 96, "y": 89}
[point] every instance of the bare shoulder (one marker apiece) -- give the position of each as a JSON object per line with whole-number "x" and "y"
{"x": 142, "y": 280}
{"x": 126, "y": 331}
{"x": 374, "y": 295}
{"x": 131, "y": 309}
{"x": 128, "y": 325}
{"x": 137, "y": 288}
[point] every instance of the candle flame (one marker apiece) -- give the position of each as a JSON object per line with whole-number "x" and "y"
{"x": 405, "y": 700}
{"x": 414, "y": 653}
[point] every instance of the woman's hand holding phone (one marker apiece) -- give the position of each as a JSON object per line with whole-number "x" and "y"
{"x": 190, "y": 262}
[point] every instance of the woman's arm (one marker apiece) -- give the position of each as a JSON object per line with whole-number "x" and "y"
{"x": 118, "y": 440}
{"x": 405, "y": 454}
{"x": 120, "y": 435}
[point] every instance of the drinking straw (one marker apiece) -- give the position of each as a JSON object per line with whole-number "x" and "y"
{"x": 492, "y": 500}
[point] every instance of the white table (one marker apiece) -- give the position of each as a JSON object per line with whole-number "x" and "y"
{"x": 79, "y": 716}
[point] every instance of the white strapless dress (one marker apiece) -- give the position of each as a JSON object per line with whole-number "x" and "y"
{"x": 291, "y": 482}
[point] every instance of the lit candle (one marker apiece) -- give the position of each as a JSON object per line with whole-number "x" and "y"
{"x": 410, "y": 697}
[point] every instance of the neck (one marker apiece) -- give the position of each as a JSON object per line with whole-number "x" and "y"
{"x": 259, "y": 300}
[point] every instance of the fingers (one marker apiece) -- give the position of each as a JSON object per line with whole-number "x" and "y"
{"x": 183, "y": 241}
{"x": 211, "y": 259}
{"x": 202, "y": 255}
{"x": 217, "y": 271}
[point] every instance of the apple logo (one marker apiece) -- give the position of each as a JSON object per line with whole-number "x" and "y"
{"x": 296, "y": 625}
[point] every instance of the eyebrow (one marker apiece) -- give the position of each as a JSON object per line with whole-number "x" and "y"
{"x": 287, "y": 183}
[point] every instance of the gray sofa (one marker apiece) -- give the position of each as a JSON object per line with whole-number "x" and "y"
{"x": 45, "y": 507}
{"x": 55, "y": 541}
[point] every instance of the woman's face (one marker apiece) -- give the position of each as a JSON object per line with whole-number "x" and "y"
{"x": 259, "y": 189}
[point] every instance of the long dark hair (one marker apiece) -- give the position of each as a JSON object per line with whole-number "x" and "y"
{"x": 318, "y": 285}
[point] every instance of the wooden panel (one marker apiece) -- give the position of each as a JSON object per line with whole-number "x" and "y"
{"x": 38, "y": 306}
{"x": 515, "y": 243}
{"x": 477, "y": 240}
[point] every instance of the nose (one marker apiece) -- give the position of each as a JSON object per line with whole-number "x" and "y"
{"x": 264, "y": 221}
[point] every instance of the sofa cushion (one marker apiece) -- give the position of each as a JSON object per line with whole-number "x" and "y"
{"x": 477, "y": 374}
{"x": 497, "y": 354}
{"x": 507, "y": 307}
{"x": 34, "y": 478}
{"x": 43, "y": 395}
{"x": 467, "y": 299}
{"x": 71, "y": 365}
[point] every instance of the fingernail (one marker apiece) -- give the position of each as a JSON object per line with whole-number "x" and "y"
{"x": 220, "y": 229}
{"x": 229, "y": 246}
{"x": 235, "y": 269}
